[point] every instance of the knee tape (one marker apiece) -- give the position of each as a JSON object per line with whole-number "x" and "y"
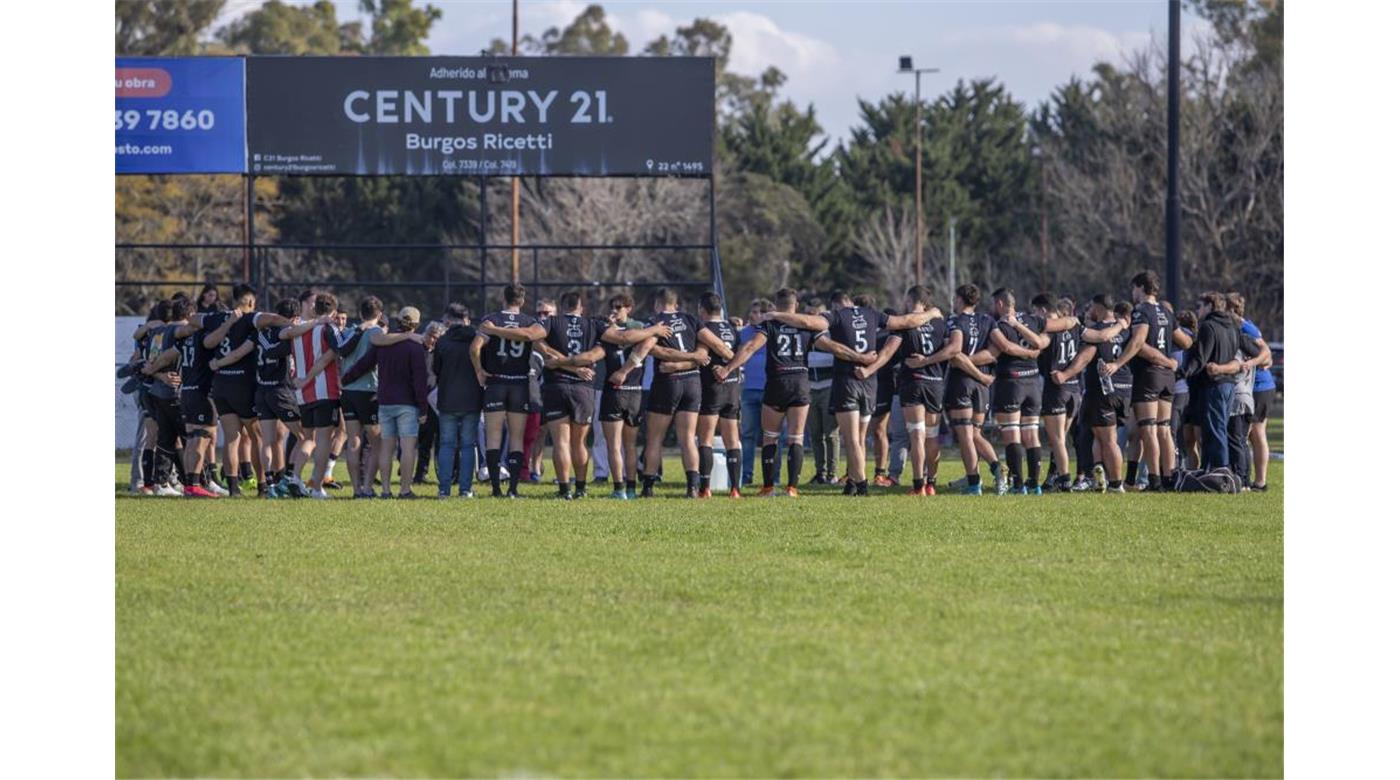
{"x": 772, "y": 435}
{"x": 914, "y": 426}
{"x": 1146, "y": 421}
{"x": 198, "y": 433}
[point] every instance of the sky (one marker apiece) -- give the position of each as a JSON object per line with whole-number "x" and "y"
{"x": 835, "y": 52}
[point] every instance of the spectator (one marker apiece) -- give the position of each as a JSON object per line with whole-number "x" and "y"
{"x": 459, "y": 403}
{"x": 1211, "y": 365}
{"x": 403, "y": 399}
{"x": 750, "y": 431}
{"x": 821, "y": 423}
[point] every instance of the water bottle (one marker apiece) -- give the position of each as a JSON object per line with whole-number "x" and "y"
{"x": 1105, "y": 381}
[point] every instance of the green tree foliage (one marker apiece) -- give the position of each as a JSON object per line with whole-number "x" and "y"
{"x": 148, "y": 28}
{"x": 588, "y": 34}
{"x": 279, "y": 28}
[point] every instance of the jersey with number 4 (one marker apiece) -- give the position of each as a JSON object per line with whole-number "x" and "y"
{"x": 858, "y": 328}
{"x": 507, "y": 360}
{"x": 787, "y": 348}
{"x": 1161, "y": 324}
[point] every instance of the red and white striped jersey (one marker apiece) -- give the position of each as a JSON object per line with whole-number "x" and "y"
{"x": 306, "y": 349}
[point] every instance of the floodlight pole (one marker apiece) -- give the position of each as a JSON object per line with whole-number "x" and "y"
{"x": 514, "y": 180}
{"x": 918, "y": 166}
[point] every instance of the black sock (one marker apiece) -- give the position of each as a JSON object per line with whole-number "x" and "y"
{"x": 648, "y": 482}
{"x": 493, "y": 465}
{"x": 514, "y": 460}
{"x": 734, "y": 459}
{"x": 974, "y": 479}
{"x": 1115, "y": 483}
{"x": 691, "y": 477}
{"x": 1015, "y": 455}
{"x": 880, "y": 472}
{"x": 707, "y": 466}
{"x": 918, "y": 484}
{"x": 794, "y": 464}
{"x": 580, "y": 486}
{"x": 245, "y": 471}
{"x": 862, "y": 488}
{"x": 287, "y": 451}
{"x": 631, "y": 485}
{"x": 1132, "y": 471}
{"x": 1033, "y": 465}
{"x": 270, "y": 476}
{"x": 617, "y": 486}
{"x": 770, "y": 460}
{"x": 563, "y": 488}
{"x": 148, "y": 468}
{"x": 1154, "y": 482}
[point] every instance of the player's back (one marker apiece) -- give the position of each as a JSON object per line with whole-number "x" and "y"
{"x": 507, "y": 360}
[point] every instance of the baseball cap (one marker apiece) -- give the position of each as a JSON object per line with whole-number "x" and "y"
{"x": 409, "y": 314}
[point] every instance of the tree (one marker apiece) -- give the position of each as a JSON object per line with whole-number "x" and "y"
{"x": 278, "y": 28}
{"x": 149, "y": 28}
{"x": 588, "y": 34}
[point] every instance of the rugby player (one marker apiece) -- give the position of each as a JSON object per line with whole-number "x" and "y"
{"x": 1014, "y": 345}
{"x": 629, "y": 341}
{"x": 923, "y": 355}
{"x": 275, "y": 400}
{"x": 162, "y": 399}
{"x": 1154, "y": 334}
{"x": 720, "y": 398}
{"x": 675, "y": 390}
{"x": 567, "y": 390}
{"x": 885, "y": 380}
{"x": 854, "y": 387}
{"x": 1059, "y": 402}
{"x": 318, "y": 387}
{"x": 787, "y": 393}
{"x": 1102, "y": 341}
{"x": 965, "y": 403}
{"x": 501, "y": 353}
{"x": 232, "y": 335}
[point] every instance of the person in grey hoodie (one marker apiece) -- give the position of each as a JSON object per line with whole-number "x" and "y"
{"x": 1210, "y": 369}
{"x": 458, "y": 402}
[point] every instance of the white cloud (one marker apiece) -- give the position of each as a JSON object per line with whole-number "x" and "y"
{"x": 759, "y": 42}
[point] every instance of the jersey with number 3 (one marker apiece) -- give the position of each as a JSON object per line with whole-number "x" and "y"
{"x": 507, "y": 360}
{"x": 569, "y": 334}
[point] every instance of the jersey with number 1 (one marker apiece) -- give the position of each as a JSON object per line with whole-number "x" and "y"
{"x": 507, "y": 360}
{"x": 684, "y": 328}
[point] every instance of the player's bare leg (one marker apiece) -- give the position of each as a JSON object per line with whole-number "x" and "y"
{"x": 657, "y": 424}
{"x": 733, "y": 450}
{"x": 880, "y": 426}
{"x": 1030, "y": 442}
{"x": 563, "y": 454}
{"x": 985, "y": 450}
{"x": 796, "y": 424}
{"x": 617, "y": 463}
{"x": 1145, "y": 430}
{"x": 1166, "y": 447}
{"x": 495, "y": 428}
{"x": 578, "y": 441}
{"x": 690, "y": 453}
{"x": 1009, "y": 430}
{"x": 963, "y": 425}
{"x": 772, "y": 423}
{"x": 321, "y": 457}
{"x": 1259, "y": 442}
{"x": 231, "y": 427}
{"x": 933, "y": 451}
{"x": 1106, "y": 436}
{"x": 1056, "y": 430}
{"x": 853, "y": 440}
{"x": 705, "y": 426}
{"x": 914, "y": 423}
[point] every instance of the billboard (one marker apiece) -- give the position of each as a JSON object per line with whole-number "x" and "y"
{"x": 180, "y": 115}
{"x": 580, "y": 116}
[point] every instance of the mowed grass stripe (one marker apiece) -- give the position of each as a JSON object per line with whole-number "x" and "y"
{"x": 1059, "y": 635}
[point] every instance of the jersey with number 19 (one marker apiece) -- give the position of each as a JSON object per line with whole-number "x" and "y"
{"x": 507, "y": 365}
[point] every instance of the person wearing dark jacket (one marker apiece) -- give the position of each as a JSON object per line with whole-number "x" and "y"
{"x": 1210, "y": 369}
{"x": 403, "y": 399}
{"x": 458, "y": 402}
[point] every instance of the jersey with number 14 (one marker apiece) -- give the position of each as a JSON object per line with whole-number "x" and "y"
{"x": 507, "y": 360}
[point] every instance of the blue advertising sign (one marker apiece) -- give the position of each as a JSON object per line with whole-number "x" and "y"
{"x": 180, "y": 115}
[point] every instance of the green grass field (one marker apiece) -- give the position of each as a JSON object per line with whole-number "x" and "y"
{"x": 1064, "y": 635}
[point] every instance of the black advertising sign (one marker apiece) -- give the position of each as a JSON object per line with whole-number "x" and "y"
{"x": 427, "y": 116}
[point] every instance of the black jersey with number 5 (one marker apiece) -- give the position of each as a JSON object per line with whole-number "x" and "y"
{"x": 925, "y": 340}
{"x": 1160, "y": 326}
{"x": 570, "y": 334}
{"x": 858, "y": 328}
{"x": 787, "y": 348}
{"x": 507, "y": 360}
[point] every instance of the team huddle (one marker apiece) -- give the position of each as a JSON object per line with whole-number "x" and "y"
{"x": 1134, "y": 390}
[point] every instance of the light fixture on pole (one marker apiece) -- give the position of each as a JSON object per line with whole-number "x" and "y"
{"x": 906, "y": 65}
